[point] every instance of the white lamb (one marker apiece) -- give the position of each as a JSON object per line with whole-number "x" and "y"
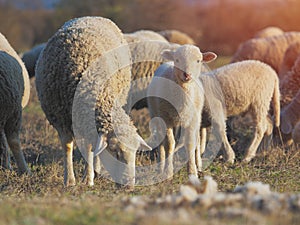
{"x": 70, "y": 57}
{"x": 175, "y": 94}
{"x": 248, "y": 86}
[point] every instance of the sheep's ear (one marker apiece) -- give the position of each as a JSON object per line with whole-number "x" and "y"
{"x": 101, "y": 145}
{"x": 143, "y": 145}
{"x": 168, "y": 55}
{"x": 286, "y": 128}
{"x": 208, "y": 56}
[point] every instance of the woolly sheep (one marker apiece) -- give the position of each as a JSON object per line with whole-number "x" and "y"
{"x": 289, "y": 59}
{"x": 145, "y": 46}
{"x": 268, "y": 32}
{"x": 269, "y": 50}
{"x": 247, "y": 86}
{"x": 185, "y": 93}
{"x": 14, "y": 88}
{"x": 71, "y": 55}
{"x": 290, "y": 116}
{"x": 176, "y": 36}
{"x": 290, "y": 83}
{"x": 30, "y": 57}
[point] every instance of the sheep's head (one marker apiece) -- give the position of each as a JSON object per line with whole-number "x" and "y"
{"x": 120, "y": 161}
{"x": 188, "y": 61}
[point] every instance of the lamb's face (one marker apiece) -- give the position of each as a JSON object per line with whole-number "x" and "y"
{"x": 187, "y": 61}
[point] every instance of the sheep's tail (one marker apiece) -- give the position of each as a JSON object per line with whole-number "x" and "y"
{"x": 276, "y": 103}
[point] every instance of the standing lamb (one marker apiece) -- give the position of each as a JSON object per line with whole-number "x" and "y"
{"x": 176, "y": 96}
{"x": 268, "y": 32}
{"x": 71, "y": 57}
{"x": 176, "y": 36}
{"x": 14, "y": 88}
{"x": 247, "y": 86}
{"x": 269, "y": 50}
{"x": 30, "y": 57}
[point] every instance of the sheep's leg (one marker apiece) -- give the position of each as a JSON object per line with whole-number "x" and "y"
{"x": 229, "y": 153}
{"x": 203, "y": 137}
{"x": 97, "y": 165}
{"x": 15, "y": 146}
{"x": 169, "y": 145}
{"x": 190, "y": 146}
{"x": 258, "y": 136}
{"x": 67, "y": 144}
{"x": 129, "y": 171}
{"x": 12, "y": 131}
{"x": 161, "y": 157}
{"x": 90, "y": 165}
{"x": 5, "y": 157}
{"x": 198, "y": 153}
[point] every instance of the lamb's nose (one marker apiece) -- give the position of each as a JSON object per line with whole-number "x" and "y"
{"x": 187, "y": 76}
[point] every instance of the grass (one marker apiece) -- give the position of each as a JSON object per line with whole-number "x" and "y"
{"x": 41, "y": 198}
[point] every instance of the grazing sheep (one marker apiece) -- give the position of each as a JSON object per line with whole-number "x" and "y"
{"x": 176, "y": 36}
{"x": 290, "y": 83}
{"x": 289, "y": 59}
{"x": 13, "y": 93}
{"x": 175, "y": 94}
{"x": 289, "y": 117}
{"x": 75, "y": 62}
{"x": 248, "y": 87}
{"x": 269, "y": 50}
{"x": 145, "y": 47}
{"x": 30, "y": 57}
{"x": 268, "y": 32}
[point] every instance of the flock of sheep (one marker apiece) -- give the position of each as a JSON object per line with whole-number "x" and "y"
{"x": 75, "y": 66}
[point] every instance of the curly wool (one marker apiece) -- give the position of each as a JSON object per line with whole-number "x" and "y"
{"x": 146, "y": 46}
{"x": 6, "y": 47}
{"x": 11, "y": 95}
{"x": 71, "y": 50}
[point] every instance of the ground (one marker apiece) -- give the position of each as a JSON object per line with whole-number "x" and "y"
{"x": 41, "y": 198}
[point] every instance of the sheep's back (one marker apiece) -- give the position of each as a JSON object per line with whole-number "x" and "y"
{"x": 269, "y": 50}
{"x": 244, "y": 84}
{"x": 6, "y": 47}
{"x": 66, "y": 56}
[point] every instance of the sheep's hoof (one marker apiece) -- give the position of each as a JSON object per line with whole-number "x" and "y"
{"x": 247, "y": 160}
{"x": 70, "y": 183}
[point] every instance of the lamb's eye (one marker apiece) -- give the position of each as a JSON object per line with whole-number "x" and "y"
{"x": 198, "y": 60}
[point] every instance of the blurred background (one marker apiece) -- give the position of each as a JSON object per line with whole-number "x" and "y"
{"x": 215, "y": 25}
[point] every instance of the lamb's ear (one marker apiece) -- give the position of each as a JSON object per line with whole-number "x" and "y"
{"x": 101, "y": 145}
{"x": 168, "y": 54}
{"x": 143, "y": 145}
{"x": 208, "y": 56}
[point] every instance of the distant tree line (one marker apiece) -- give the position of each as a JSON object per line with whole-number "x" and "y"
{"x": 219, "y": 27}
